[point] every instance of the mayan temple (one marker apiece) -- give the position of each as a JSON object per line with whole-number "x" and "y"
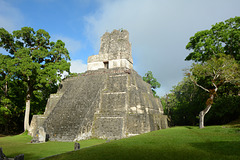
{"x": 109, "y": 101}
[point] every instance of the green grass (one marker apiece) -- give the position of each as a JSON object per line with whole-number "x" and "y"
{"x": 20, "y": 144}
{"x": 211, "y": 143}
{"x": 214, "y": 142}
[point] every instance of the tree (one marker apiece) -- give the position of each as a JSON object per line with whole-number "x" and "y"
{"x": 210, "y": 46}
{"x": 152, "y": 81}
{"x": 223, "y": 37}
{"x": 215, "y": 73}
{"x": 5, "y": 105}
{"x": 37, "y": 61}
{"x": 12, "y": 107}
{"x": 183, "y": 103}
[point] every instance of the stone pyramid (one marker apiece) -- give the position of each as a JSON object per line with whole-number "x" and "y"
{"x": 109, "y": 101}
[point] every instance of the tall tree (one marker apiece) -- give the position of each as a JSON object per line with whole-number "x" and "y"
{"x": 223, "y": 37}
{"x": 152, "y": 81}
{"x": 183, "y": 103}
{"x": 6, "y": 65}
{"x": 209, "y": 46}
{"x": 216, "y": 72}
{"x": 37, "y": 61}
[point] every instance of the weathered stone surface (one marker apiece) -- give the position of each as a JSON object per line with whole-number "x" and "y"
{"x": 110, "y": 104}
{"x": 105, "y": 103}
{"x": 42, "y": 135}
{"x": 115, "y": 51}
{"x": 37, "y": 120}
{"x": 76, "y": 146}
{"x": 19, "y": 157}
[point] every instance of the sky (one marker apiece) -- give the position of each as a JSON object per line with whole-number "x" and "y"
{"x": 159, "y": 30}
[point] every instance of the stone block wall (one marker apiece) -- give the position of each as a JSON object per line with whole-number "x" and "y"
{"x": 110, "y": 116}
{"x": 115, "y": 50}
{"x": 111, "y": 104}
{"x": 74, "y": 112}
{"x": 38, "y": 120}
{"x": 36, "y": 123}
{"x": 111, "y": 64}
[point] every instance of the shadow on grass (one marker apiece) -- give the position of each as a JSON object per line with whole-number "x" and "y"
{"x": 27, "y": 156}
{"x": 224, "y": 148}
{"x": 189, "y": 127}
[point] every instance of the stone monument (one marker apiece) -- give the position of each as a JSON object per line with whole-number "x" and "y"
{"x": 109, "y": 101}
{"x": 115, "y": 51}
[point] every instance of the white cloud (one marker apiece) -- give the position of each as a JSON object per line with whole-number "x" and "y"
{"x": 10, "y": 18}
{"x": 72, "y": 45}
{"x": 78, "y": 66}
{"x": 159, "y": 31}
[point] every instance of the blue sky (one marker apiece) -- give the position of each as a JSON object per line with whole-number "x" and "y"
{"x": 159, "y": 29}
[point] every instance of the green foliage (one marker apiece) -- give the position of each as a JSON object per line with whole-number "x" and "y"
{"x": 152, "y": 81}
{"x": 32, "y": 69}
{"x": 226, "y": 108}
{"x": 214, "y": 74}
{"x": 186, "y": 100}
{"x": 218, "y": 50}
{"x": 219, "y": 70}
{"x": 40, "y": 97}
{"x": 11, "y": 106}
{"x": 183, "y": 104}
{"x": 223, "y": 37}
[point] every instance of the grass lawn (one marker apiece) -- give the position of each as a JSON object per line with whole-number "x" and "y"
{"x": 214, "y": 142}
{"x": 20, "y": 144}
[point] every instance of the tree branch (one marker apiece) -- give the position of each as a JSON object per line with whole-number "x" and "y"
{"x": 10, "y": 44}
{"x": 216, "y": 88}
{"x": 199, "y": 85}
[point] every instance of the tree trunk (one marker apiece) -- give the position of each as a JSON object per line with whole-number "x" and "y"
{"x": 201, "y": 116}
{"x": 27, "y": 112}
{"x": 205, "y": 111}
